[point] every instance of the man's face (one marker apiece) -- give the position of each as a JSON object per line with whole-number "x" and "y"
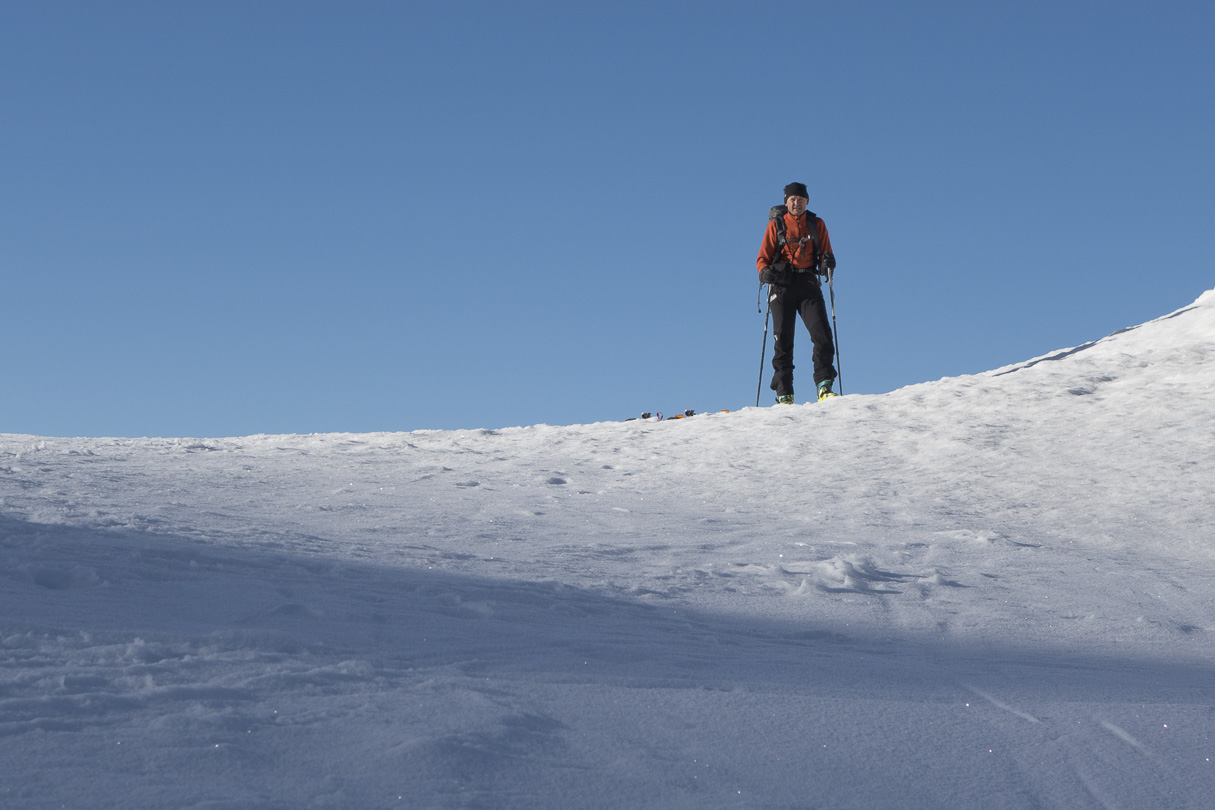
{"x": 797, "y": 205}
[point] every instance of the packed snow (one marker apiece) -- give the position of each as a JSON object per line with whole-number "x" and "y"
{"x": 991, "y": 591}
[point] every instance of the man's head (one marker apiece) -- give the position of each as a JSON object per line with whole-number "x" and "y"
{"x": 796, "y": 198}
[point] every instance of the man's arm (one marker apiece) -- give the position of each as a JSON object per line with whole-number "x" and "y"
{"x": 824, "y": 240}
{"x": 767, "y": 248}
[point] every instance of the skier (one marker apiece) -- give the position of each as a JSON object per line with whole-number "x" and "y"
{"x": 796, "y": 248}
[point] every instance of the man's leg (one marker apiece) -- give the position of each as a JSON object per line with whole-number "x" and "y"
{"x": 814, "y": 314}
{"x": 784, "y": 324}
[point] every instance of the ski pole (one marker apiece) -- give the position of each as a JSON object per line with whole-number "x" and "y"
{"x": 839, "y": 375}
{"x": 763, "y": 355}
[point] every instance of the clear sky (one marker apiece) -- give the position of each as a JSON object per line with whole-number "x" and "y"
{"x": 224, "y": 218}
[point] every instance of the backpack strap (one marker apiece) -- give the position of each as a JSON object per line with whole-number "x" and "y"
{"x": 812, "y": 227}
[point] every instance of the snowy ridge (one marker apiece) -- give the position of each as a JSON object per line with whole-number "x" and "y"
{"x": 983, "y": 591}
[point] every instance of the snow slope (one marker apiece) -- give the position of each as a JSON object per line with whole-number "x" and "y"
{"x": 989, "y": 591}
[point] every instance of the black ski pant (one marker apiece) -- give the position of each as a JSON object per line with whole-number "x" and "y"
{"x": 801, "y": 297}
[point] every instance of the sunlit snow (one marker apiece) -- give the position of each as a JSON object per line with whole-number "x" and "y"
{"x": 992, "y": 591}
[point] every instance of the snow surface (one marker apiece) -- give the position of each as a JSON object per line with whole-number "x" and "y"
{"x": 992, "y": 591}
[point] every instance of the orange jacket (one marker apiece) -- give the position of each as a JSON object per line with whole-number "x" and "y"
{"x": 798, "y": 255}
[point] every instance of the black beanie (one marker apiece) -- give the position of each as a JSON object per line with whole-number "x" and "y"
{"x": 796, "y": 190}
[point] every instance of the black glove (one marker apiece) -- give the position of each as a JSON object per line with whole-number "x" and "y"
{"x": 771, "y": 275}
{"x": 829, "y": 262}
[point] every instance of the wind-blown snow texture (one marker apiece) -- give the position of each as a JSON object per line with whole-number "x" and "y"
{"x": 989, "y": 591}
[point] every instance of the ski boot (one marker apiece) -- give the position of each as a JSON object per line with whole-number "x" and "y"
{"x": 824, "y": 390}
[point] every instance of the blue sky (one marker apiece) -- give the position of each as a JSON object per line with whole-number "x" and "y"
{"x": 226, "y": 218}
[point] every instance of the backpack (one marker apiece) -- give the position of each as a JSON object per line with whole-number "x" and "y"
{"x": 777, "y": 212}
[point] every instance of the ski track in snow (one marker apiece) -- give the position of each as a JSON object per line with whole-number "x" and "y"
{"x": 987, "y": 591}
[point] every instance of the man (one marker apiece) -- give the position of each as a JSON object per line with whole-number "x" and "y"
{"x": 791, "y": 269}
